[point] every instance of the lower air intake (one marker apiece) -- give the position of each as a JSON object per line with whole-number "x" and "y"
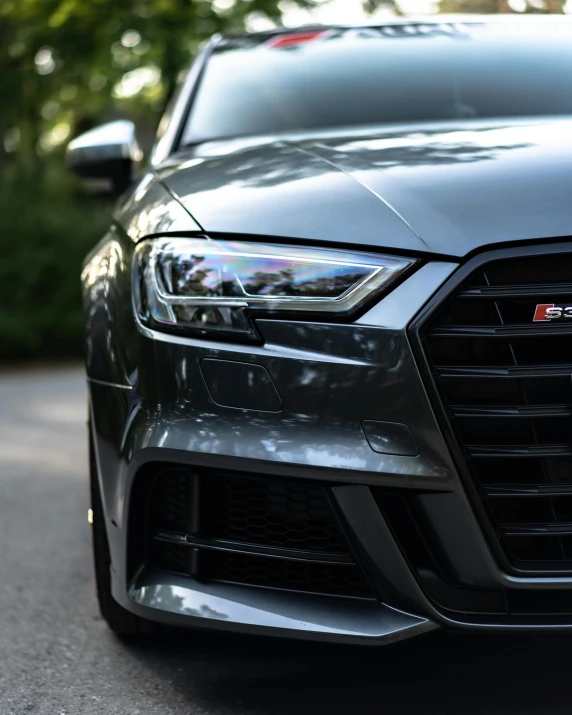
{"x": 257, "y": 531}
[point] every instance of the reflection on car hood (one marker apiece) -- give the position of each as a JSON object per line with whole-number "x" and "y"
{"x": 446, "y": 189}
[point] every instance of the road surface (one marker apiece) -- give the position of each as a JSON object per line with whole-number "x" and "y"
{"x": 57, "y": 657}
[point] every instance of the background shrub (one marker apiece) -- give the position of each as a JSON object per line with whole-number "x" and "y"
{"x": 46, "y": 228}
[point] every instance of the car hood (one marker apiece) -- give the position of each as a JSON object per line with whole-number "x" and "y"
{"x": 446, "y": 189}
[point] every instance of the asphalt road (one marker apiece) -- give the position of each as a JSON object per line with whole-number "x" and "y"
{"x": 57, "y": 657}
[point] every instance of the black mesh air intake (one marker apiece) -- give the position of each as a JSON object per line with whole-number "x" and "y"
{"x": 259, "y": 531}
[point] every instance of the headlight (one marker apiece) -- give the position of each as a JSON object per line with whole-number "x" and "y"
{"x": 213, "y": 288}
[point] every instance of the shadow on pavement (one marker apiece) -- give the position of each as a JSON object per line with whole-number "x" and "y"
{"x": 436, "y": 674}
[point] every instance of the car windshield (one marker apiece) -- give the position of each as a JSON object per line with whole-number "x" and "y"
{"x": 267, "y": 84}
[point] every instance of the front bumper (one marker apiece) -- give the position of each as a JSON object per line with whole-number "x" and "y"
{"x": 329, "y": 379}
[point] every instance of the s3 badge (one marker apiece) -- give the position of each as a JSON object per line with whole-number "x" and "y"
{"x": 550, "y": 312}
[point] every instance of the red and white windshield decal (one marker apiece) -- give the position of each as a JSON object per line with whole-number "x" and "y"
{"x": 540, "y": 314}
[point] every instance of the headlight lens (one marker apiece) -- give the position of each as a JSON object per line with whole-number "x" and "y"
{"x": 215, "y": 287}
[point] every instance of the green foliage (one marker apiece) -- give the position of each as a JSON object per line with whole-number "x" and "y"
{"x": 61, "y": 61}
{"x": 45, "y": 231}
{"x": 476, "y": 6}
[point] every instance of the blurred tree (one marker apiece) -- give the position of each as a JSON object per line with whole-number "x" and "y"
{"x": 554, "y": 6}
{"x": 66, "y": 63}
{"x": 502, "y": 6}
{"x": 474, "y": 6}
{"x": 483, "y": 6}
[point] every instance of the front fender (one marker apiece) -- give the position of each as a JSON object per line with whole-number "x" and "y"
{"x": 110, "y": 338}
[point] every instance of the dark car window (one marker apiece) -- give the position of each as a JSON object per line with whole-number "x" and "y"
{"x": 407, "y": 73}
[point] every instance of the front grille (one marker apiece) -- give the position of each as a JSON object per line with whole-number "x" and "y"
{"x": 505, "y": 383}
{"x": 270, "y": 513}
{"x": 257, "y": 531}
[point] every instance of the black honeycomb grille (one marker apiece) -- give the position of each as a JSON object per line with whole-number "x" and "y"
{"x": 219, "y": 526}
{"x": 172, "y": 500}
{"x": 505, "y": 381}
{"x": 270, "y": 513}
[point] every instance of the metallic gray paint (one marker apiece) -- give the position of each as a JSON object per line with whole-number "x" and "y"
{"x": 151, "y": 209}
{"x": 242, "y": 385}
{"x": 315, "y": 434}
{"x": 172, "y": 600}
{"x": 390, "y": 438}
{"x": 446, "y": 189}
{"x": 108, "y": 142}
{"x": 278, "y": 190}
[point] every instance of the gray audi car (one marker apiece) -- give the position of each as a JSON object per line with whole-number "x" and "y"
{"x": 328, "y": 337}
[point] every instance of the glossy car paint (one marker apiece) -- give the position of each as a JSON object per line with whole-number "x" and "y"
{"x": 146, "y": 418}
{"x": 435, "y": 192}
{"x": 436, "y": 189}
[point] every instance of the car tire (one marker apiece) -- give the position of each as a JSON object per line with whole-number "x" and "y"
{"x": 121, "y": 621}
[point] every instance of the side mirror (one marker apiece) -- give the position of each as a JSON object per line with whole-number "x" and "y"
{"x": 107, "y": 155}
